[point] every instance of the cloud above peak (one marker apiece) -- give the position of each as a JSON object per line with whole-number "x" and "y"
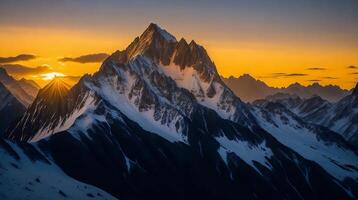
{"x": 21, "y": 57}
{"x": 280, "y": 74}
{"x": 89, "y": 58}
{"x": 329, "y": 77}
{"x": 316, "y": 68}
{"x": 283, "y": 75}
{"x": 352, "y": 67}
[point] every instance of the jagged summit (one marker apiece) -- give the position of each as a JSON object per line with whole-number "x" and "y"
{"x": 163, "y": 49}
{"x": 194, "y": 55}
{"x": 154, "y": 42}
{"x": 154, "y": 30}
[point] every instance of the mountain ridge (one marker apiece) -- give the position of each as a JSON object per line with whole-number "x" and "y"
{"x": 25, "y": 91}
{"x": 251, "y": 89}
{"x": 340, "y": 117}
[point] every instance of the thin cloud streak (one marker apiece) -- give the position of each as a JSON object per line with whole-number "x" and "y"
{"x": 21, "y": 57}
{"x": 90, "y": 58}
{"x": 329, "y": 77}
{"x": 282, "y": 74}
{"x": 316, "y": 68}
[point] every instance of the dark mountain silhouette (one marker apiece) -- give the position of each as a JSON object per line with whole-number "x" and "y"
{"x": 250, "y": 89}
{"x": 340, "y": 117}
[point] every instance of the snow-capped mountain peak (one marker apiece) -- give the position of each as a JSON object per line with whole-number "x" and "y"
{"x": 154, "y": 42}
{"x": 155, "y": 79}
{"x": 188, "y": 64}
{"x": 155, "y": 29}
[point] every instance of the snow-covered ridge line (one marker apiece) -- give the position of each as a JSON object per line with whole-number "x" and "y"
{"x": 66, "y": 122}
{"x": 304, "y": 139}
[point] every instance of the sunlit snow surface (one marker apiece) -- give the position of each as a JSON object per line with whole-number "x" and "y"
{"x": 334, "y": 159}
{"x": 25, "y": 179}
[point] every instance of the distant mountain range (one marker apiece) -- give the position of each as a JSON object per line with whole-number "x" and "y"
{"x": 15, "y": 97}
{"x": 249, "y": 89}
{"x": 23, "y": 90}
{"x": 156, "y": 121}
{"x": 341, "y": 117}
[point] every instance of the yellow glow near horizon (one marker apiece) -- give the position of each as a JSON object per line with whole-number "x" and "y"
{"x": 51, "y": 75}
{"x": 258, "y": 58}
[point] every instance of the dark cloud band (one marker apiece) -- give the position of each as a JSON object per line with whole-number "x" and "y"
{"x": 329, "y": 77}
{"x": 280, "y": 74}
{"x": 316, "y": 68}
{"x": 21, "y": 57}
{"x": 90, "y": 58}
{"x": 283, "y": 75}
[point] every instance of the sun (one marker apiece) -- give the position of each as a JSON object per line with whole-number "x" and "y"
{"x": 52, "y": 75}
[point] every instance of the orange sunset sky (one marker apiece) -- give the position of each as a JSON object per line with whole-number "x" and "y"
{"x": 308, "y": 41}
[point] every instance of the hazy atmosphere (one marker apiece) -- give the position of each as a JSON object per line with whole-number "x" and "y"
{"x": 279, "y": 42}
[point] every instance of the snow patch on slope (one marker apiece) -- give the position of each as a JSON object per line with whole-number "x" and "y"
{"x": 249, "y": 153}
{"x": 26, "y": 179}
{"x": 188, "y": 78}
